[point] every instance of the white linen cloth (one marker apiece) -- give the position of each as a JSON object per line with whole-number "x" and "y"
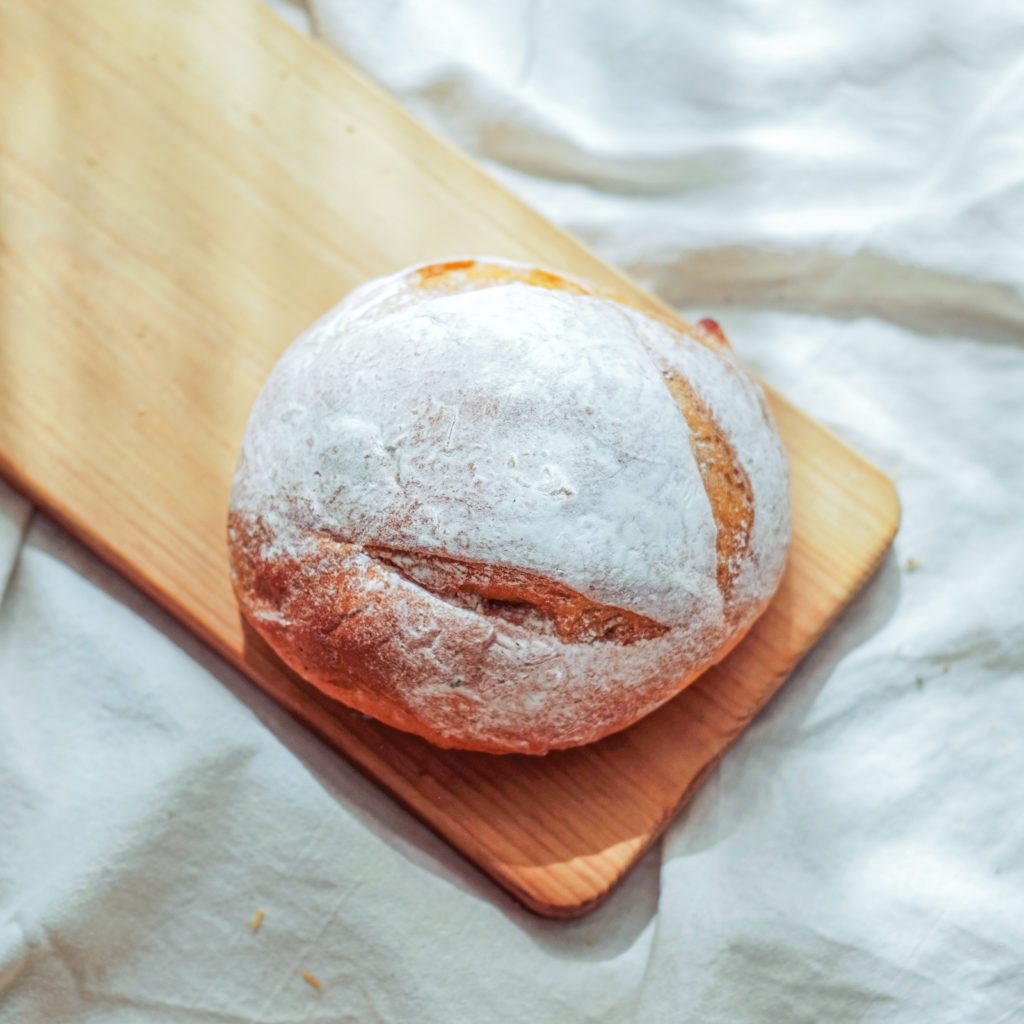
{"x": 841, "y": 186}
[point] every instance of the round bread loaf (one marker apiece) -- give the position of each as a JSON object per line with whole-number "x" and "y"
{"x": 505, "y": 510}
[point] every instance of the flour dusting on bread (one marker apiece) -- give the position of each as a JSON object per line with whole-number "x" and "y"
{"x": 470, "y": 505}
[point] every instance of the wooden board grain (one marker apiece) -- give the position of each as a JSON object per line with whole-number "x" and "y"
{"x": 184, "y": 186}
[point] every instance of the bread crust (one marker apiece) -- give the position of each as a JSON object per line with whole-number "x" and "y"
{"x": 485, "y": 642}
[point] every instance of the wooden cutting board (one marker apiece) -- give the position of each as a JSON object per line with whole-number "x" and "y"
{"x": 186, "y": 184}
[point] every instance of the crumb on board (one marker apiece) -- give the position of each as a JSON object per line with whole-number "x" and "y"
{"x": 257, "y": 919}
{"x": 945, "y": 666}
{"x": 912, "y": 564}
{"x": 313, "y": 980}
{"x": 919, "y": 682}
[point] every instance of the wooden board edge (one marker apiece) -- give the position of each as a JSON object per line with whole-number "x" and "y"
{"x": 892, "y": 512}
{"x": 569, "y": 911}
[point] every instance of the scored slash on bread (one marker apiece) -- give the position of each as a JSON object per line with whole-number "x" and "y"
{"x": 506, "y": 510}
{"x": 520, "y": 596}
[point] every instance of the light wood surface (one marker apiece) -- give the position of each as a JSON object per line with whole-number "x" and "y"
{"x": 186, "y": 184}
